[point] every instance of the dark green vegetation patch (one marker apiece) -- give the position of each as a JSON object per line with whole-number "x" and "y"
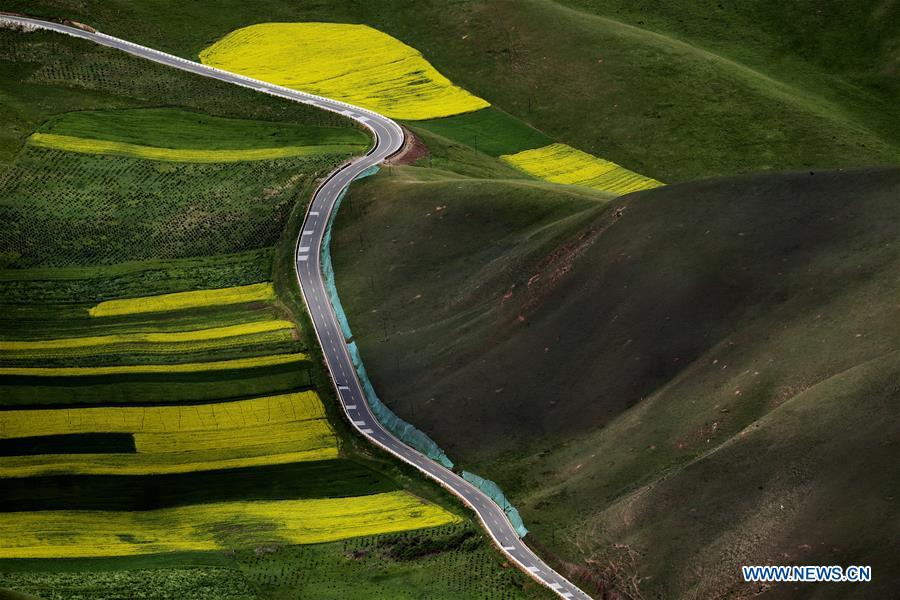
{"x": 70, "y": 443}
{"x": 91, "y": 285}
{"x": 444, "y": 562}
{"x": 172, "y": 128}
{"x": 169, "y": 388}
{"x": 316, "y": 479}
{"x": 185, "y": 583}
{"x": 489, "y": 130}
{"x": 62, "y": 209}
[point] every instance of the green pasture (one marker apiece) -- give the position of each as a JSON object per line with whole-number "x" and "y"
{"x": 174, "y": 128}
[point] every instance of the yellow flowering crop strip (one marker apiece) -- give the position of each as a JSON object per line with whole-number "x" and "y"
{"x": 211, "y": 527}
{"x": 559, "y": 163}
{"x": 170, "y": 463}
{"x": 258, "y": 332}
{"x": 194, "y": 155}
{"x": 175, "y": 439}
{"x": 256, "y": 292}
{"x": 219, "y": 365}
{"x": 280, "y": 408}
{"x": 352, "y": 63}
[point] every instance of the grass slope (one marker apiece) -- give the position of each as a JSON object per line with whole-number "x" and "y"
{"x": 489, "y": 130}
{"x": 423, "y": 272}
{"x": 689, "y": 90}
{"x": 855, "y": 42}
{"x": 666, "y": 374}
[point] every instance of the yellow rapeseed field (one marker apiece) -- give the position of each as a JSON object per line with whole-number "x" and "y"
{"x": 281, "y": 408}
{"x": 175, "y": 439}
{"x": 219, "y": 365}
{"x": 257, "y": 292}
{"x": 217, "y": 526}
{"x": 257, "y": 332}
{"x": 559, "y": 163}
{"x": 194, "y": 155}
{"x": 352, "y": 63}
{"x": 169, "y": 463}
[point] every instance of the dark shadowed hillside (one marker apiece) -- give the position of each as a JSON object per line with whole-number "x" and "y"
{"x": 707, "y": 367}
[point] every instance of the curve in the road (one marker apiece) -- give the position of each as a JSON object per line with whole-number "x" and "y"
{"x": 389, "y": 138}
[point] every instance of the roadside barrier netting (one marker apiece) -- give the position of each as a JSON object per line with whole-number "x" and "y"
{"x": 404, "y": 431}
{"x": 407, "y": 433}
{"x": 496, "y": 494}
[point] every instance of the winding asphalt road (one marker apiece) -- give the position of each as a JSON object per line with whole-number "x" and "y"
{"x": 389, "y": 139}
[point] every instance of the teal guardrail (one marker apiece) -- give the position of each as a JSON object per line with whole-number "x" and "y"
{"x": 404, "y": 431}
{"x": 496, "y": 494}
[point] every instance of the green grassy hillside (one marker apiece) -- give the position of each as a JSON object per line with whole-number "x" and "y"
{"x": 676, "y": 93}
{"x": 854, "y": 41}
{"x": 696, "y": 372}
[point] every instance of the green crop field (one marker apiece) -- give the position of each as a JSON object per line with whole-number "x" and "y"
{"x": 60, "y": 209}
{"x": 148, "y": 368}
{"x": 488, "y": 130}
{"x": 178, "y": 129}
{"x": 409, "y": 565}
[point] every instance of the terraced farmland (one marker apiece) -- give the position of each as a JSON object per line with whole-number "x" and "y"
{"x": 177, "y": 439}
{"x": 162, "y": 403}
